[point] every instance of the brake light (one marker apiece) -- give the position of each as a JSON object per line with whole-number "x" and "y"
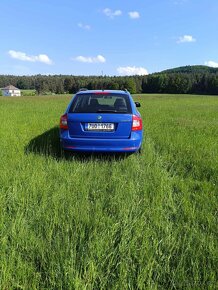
{"x": 136, "y": 123}
{"x": 101, "y": 93}
{"x": 63, "y": 122}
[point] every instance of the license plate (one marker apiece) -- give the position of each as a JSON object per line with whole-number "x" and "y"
{"x": 100, "y": 127}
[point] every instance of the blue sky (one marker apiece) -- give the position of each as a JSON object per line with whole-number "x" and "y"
{"x": 106, "y": 37}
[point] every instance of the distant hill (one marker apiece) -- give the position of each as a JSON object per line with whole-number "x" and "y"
{"x": 192, "y": 79}
{"x": 192, "y": 69}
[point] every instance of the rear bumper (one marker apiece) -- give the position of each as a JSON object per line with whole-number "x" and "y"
{"x": 131, "y": 144}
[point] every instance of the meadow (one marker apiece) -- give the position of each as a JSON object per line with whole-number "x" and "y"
{"x": 143, "y": 221}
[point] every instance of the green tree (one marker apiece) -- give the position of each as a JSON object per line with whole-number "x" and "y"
{"x": 130, "y": 85}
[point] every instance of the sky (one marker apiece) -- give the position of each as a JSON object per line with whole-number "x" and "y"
{"x": 102, "y": 37}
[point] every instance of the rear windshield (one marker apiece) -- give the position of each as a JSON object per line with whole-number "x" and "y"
{"x": 101, "y": 103}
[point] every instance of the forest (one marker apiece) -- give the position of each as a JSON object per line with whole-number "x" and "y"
{"x": 181, "y": 80}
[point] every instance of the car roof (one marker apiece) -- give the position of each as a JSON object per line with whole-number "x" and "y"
{"x": 83, "y": 91}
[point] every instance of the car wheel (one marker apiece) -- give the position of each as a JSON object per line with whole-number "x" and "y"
{"x": 140, "y": 150}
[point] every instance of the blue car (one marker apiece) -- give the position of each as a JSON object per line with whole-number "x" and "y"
{"x": 101, "y": 121}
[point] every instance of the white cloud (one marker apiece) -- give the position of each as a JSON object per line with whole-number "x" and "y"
{"x": 43, "y": 58}
{"x": 211, "y": 63}
{"x": 32, "y": 58}
{"x": 110, "y": 13}
{"x": 90, "y": 59}
{"x": 84, "y": 26}
{"x": 186, "y": 38}
{"x": 134, "y": 14}
{"x": 131, "y": 70}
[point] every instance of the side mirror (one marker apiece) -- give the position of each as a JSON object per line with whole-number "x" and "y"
{"x": 137, "y": 104}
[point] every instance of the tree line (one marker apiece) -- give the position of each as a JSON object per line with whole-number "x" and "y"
{"x": 183, "y": 81}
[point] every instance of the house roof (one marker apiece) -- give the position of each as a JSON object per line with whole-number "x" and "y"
{"x": 10, "y": 87}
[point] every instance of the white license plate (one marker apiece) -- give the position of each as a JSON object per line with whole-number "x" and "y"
{"x": 100, "y": 127}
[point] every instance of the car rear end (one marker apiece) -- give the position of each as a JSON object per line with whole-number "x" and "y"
{"x": 101, "y": 121}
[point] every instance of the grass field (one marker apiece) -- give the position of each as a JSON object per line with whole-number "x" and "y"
{"x": 144, "y": 221}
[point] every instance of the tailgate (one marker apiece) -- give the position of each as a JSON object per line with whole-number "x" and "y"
{"x": 95, "y": 125}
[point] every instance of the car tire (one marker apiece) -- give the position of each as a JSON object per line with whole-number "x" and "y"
{"x": 65, "y": 154}
{"x": 140, "y": 151}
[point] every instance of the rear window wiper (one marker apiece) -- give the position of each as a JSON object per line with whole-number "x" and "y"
{"x": 110, "y": 111}
{"x": 106, "y": 111}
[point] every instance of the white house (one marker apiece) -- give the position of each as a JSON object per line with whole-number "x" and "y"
{"x": 11, "y": 91}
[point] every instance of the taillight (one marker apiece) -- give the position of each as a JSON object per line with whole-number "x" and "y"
{"x": 136, "y": 123}
{"x": 63, "y": 122}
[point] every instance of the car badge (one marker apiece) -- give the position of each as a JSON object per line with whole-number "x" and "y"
{"x": 99, "y": 117}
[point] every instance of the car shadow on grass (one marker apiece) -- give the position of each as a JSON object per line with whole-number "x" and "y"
{"x": 48, "y": 144}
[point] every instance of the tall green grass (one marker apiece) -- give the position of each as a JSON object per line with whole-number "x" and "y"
{"x": 144, "y": 221}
